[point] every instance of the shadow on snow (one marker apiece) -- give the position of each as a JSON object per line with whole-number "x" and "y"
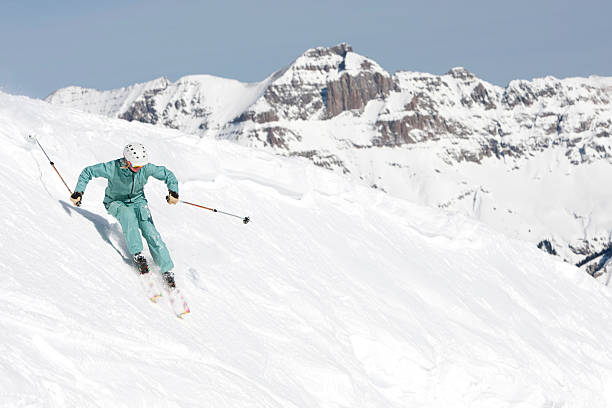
{"x": 104, "y": 228}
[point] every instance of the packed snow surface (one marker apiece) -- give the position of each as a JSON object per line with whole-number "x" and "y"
{"x": 335, "y": 295}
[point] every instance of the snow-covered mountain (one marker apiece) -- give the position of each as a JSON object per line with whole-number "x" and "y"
{"x": 335, "y": 295}
{"x": 531, "y": 159}
{"x": 191, "y": 104}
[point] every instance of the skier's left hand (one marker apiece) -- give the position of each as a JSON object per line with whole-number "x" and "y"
{"x": 172, "y": 197}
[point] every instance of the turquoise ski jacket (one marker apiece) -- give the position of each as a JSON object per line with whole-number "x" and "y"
{"x": 123, "y": 184}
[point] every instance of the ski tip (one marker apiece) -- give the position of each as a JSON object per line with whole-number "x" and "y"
{"x": 180, "y": 315}
{"x": 155, "y": 298}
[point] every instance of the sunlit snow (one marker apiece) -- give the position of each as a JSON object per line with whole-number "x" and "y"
{"x": 335, "y": 295}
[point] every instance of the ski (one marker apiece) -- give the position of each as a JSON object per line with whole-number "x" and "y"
{"x": 150, "y": 287}
{"x": 179, "y": 305}
{"x": 176, "y": 298}
{"x": 177, "y": 301}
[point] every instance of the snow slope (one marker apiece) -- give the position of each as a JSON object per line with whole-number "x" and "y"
{"x": 334, "y": 296}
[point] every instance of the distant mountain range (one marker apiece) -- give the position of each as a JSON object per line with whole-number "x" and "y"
{"x": 531, "y": 159}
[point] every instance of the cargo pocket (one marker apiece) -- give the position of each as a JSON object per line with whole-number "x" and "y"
{"x": 145, "y": 214}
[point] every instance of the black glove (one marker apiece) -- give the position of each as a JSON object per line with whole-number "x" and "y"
{"x": 76, "y": 198}
{"x": 172, "y": 197}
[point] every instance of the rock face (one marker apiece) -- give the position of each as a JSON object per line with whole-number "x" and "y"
{"x": 144, "y": 109}
{"x": 344, "y": 112}
{"x": 354, "y": 92}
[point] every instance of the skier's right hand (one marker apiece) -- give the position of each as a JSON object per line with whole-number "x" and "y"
{"x": 76, "y": 198}
{"x": 172, "y": 197}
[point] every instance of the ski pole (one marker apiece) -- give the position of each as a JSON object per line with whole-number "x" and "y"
{"x": 51, "y": 163}
{"x": 244, "y": 219}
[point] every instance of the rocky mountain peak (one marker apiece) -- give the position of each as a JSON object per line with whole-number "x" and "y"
{"x": 320, "y": 84}
{"x": 461, "y": 73}
{"x": 341, "y": 49}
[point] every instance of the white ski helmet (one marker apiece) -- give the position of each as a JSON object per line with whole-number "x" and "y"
{"x": 136, "y": 154}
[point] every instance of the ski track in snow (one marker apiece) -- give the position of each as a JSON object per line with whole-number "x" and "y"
{"x": 334, "y": 296}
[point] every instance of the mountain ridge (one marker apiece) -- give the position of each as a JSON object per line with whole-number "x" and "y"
{"x": 344, "y": 112}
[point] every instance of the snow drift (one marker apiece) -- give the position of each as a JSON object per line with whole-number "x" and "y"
{"x": 334, "y": 295}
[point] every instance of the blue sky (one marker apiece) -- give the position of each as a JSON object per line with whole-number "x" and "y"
{"x": 109, "y": 44}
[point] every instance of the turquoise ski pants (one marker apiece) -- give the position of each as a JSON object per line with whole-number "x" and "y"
{"x": 135, "y": 217}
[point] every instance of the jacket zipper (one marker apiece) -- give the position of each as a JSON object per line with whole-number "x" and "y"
{"x": 131, "y": 192}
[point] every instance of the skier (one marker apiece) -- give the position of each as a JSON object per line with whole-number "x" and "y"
{"x": 124, "y": 199}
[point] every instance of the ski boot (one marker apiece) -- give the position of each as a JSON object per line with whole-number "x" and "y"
{"x": 141, "y": 263}
{"x": 169, "y": 279}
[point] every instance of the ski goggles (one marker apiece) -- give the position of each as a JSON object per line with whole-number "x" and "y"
{"x": 129, "y": 163}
